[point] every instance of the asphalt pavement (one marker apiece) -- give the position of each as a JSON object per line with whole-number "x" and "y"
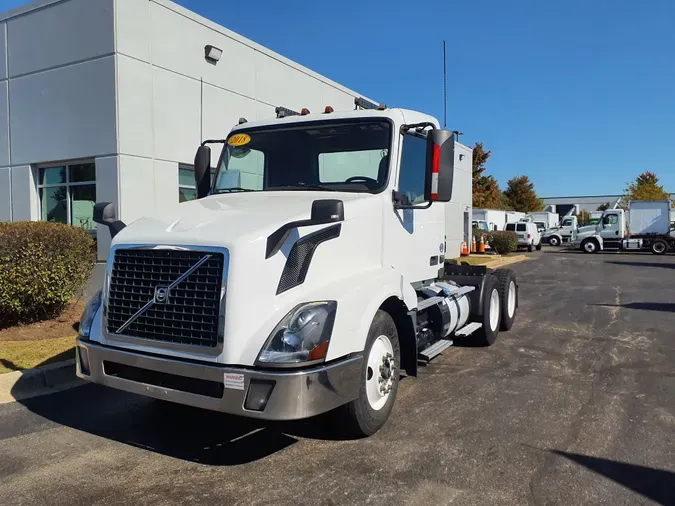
{"x": 575, "y": 405}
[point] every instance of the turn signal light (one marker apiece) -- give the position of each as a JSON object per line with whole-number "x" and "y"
{"x": 318, "y": 352}
{"x": 304, "y": 111}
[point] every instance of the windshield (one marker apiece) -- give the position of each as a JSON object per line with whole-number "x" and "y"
{"x": 345, "y": 156}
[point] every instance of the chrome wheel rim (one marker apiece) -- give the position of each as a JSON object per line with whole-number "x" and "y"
{"x": 512, "y": 299}
{"x": 380, "y": 373}
{"x": 494, "y": 310}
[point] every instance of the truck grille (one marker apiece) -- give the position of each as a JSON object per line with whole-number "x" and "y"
{"x": 188, "y": 315}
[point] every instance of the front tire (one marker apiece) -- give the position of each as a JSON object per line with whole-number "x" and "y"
{"x": 379, "y": 379}
{"x": 659, "y": 247}
{"x": 554, "y": 241}
{"x": 508, "y": 295}
{"x": 491, "y": 317}
{"x": 589, "y": 246}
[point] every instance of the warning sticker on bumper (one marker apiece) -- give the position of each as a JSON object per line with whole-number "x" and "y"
{"x": 234, "y": 381}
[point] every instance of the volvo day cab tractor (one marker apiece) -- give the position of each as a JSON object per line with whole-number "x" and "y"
{"x": 304, "y": 279}
{"x": 644, "y": 227}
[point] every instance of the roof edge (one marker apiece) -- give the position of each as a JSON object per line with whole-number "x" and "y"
{"x": 26, "y": 8}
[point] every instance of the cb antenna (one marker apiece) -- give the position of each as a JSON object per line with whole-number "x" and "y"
{"x": 445, "y": 89}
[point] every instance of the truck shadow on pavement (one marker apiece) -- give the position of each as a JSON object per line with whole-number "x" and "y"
{"x": 177, "y": 431}
{"x": 655, "y": 484}
{"x": 645, "y": 264}
{"x": 645, "y": 306}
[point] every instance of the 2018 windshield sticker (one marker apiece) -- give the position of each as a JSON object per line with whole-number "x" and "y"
{"x": 239, "y": 140}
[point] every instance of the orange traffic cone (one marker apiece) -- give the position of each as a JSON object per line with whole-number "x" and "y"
{"x": 481, "y": 245}
{"x": 473, "y": 244}
{"x": 465, "y": 249}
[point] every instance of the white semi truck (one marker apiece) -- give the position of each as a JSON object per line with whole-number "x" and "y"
{"x": 564, "y": 233}
{"x": 305, "y": 289}
{"x": 644, "y": 227}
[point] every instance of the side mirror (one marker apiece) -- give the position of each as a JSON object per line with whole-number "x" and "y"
{"x": 203, "y": 171}
{"x": 104, "y": 214}
{"x": 440, "y": 166}
{"x": 327, "y": 211}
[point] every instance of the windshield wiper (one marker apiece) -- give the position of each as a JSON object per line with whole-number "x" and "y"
{"x": 301, "y": 185}
{"x": 233, "y": 189}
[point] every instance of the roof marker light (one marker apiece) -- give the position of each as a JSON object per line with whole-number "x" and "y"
{"x": 304, "y": 111}
{"x": 328, "y": 110}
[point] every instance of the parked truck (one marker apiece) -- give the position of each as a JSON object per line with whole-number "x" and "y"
{"x": 494, "y": 219}
{"x": 644, "y": 227}
{"x": 564, "y": 233}
{"x": 304, "y": 290}
{"x": 544, "y": 220}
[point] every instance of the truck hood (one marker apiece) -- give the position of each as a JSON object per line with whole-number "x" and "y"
{"x": 224, "y": 219}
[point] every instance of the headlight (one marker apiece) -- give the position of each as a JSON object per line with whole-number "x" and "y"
{"x": 88, "y": 315}
{"x": 302, "y": 336}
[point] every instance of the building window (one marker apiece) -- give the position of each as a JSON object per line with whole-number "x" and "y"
{"x": 68, "y": 193}
{"x": 186, "y": 183}
{"x": 187, "y": 190}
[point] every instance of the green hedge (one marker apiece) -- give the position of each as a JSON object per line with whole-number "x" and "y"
{"x": 503, "y": 242}
{"x": 42, "y": 267}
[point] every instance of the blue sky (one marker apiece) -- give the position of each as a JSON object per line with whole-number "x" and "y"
{"x": 577, "y": 94}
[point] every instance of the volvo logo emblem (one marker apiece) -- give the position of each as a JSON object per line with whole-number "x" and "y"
{"x": 161, "y": 294}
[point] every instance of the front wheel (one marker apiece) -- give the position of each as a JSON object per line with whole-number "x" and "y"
{"x": 659, "y": 247}
{"x": 589, "y": 246}
{"x": 379, "y": 379}
{"x": 554, "y": 241}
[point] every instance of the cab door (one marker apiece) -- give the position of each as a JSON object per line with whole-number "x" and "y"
{"x": 414, "y": 242}
{"x": 610, "y": 226}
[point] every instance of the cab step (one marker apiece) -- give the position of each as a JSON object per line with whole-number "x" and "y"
{"x": 435, "y": 349}
{"x": 468, "y": 329}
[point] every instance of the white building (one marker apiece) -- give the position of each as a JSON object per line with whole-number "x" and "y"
{"x": 107, "y": 100}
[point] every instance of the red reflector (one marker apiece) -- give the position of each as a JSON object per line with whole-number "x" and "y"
{"x": 436, "y": 163}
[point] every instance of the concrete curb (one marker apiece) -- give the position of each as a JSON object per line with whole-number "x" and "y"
{"x": 51, "y": 378}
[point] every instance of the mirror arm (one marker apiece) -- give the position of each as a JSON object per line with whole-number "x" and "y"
{"x": 398, "y": 204}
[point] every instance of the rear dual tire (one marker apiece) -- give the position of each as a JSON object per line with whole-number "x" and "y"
{"x": 508, "y": 295}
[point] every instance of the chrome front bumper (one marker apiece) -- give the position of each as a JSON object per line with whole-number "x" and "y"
{"x": 270, "y": 395}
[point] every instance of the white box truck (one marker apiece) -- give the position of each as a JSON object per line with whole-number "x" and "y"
{"x": 544, "y": 220}
{"x": 488, "y": 219}
{"x": 644, "y": 227}
{"x": 303, "y": 290}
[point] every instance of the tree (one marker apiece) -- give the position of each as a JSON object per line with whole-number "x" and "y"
{"x": 486, "y": 194}
{"x": 646, "y": 187}
{"x": 521, "y": 196}
{"x": 604, "y": 207}
{"x": 583, "y": 217}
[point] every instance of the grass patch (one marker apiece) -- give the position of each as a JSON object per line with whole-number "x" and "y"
{"x": 18, "y": 355}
